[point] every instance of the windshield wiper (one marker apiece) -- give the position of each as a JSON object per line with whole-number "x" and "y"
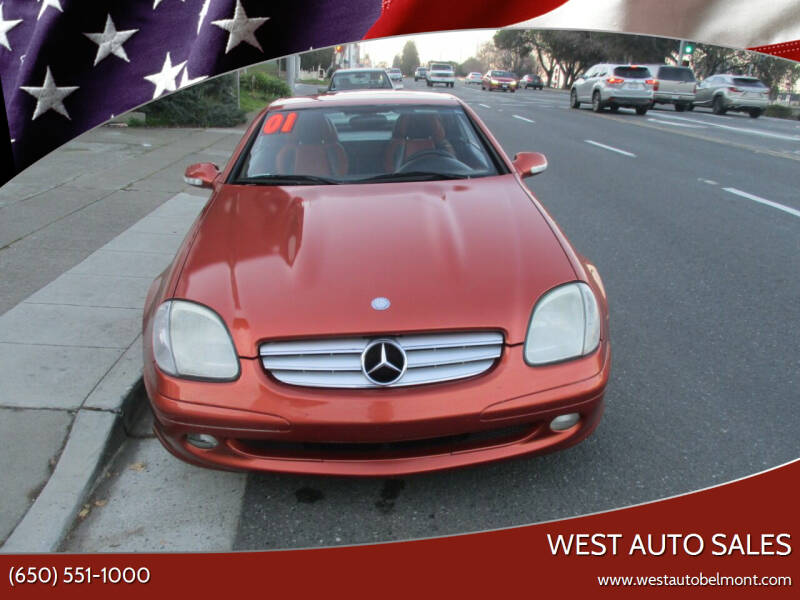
{"x": 286, "y": 180}
{"x": 412, "y": 176}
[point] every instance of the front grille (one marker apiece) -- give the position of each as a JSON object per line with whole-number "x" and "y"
{"x": 376, "y": 451}
{"x": 336, "y": 362}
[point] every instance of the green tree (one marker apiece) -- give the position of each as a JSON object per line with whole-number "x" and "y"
{"x": 518, "y": 43}
{"x": 470, "y": 65}
{"x": 312, "y": 60}
{"x": 397, "y": 61}
{"x": 409, "y": 59}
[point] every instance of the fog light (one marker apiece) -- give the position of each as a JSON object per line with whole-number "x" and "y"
{"x": 564, "y": 422}
{"x": 202, "y": 441}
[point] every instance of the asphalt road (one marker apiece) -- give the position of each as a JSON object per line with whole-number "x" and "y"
{"x": 693, "y": 220}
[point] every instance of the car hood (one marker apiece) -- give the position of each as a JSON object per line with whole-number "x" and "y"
{"x": 278, "y": 262}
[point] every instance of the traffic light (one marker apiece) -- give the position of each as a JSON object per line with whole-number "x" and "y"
{"x": 688, "y": 48}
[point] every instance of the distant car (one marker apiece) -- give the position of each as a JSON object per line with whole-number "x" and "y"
{"x": 614, "y": 86}
{"x": 360, "y": 79}
{"x": 373, "y": 290}
{"x": 396, "y": 75}
{"x": 531, "y": 81}
{"x": 733, "y": 92}
{"x": 440, "y": 73}
{"x": 673, "y": 85}
{"x": 499, "y": 80}
{"x": 420, "y": 73}
{"x": 473, "y": 77}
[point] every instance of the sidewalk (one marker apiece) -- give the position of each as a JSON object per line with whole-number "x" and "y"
{"x": 76, "y": 260}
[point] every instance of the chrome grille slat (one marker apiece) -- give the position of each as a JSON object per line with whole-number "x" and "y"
{"x": 336, "y": 362}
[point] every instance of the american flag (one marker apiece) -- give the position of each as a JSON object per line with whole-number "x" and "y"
{"x": 69, "y": 65}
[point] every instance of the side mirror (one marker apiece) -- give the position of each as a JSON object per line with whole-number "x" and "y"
{"x": 528, "y": 164}
{"x": 201, "y": 174}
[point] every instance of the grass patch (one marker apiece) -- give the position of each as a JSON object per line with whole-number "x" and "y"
{"x": 324, "y": 82}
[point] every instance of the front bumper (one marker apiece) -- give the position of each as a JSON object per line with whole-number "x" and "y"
{"x": 264, "y": 425}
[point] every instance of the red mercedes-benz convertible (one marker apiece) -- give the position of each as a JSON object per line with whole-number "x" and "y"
{"x": 373, "y": 290}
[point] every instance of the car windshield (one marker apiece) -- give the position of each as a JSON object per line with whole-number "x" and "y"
{"x": 502, "y": 74}
{"x": 441, "y": 67}
{"x": 360, "y": 80}
{"x": 676, "y": 74}
{"x": 365, "y": 144}
{"x": 748, "y": 82}
{"x": 632, "y": 72}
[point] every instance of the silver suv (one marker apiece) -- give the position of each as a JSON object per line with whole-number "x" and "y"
{"x": 673, "y": 85}
{"x": 733, "y": 92}
{"x": 614, "y": 86}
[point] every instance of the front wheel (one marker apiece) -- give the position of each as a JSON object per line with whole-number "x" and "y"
{"x": 597, "y": 106}
{"x": 573, "y": 99}
{"x": 718, "y": 108}
{"x": 641, "y": 110}
{"x": 690, "y": 106}
{"x": 755, "y": 113}
{"x": 680, "y": 107}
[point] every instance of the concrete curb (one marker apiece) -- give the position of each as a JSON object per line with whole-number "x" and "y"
{"x": 94, "y": 437}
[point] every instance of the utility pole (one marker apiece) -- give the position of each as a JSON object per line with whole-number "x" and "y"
{"x": 291, "y": 71}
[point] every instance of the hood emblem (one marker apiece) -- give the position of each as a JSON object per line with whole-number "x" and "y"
{"x": 380, "y": 303}
{"x": 383, "y": 362}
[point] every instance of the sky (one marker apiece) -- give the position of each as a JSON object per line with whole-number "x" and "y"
{"x": 454, "y": 46}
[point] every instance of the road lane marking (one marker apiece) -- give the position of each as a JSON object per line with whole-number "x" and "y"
{"x": 708, "y": 181}
{"x": 677, "y": 124}
{"x": 787, "y": 209}
{"x": 484, "y": 105}
{"x": 523, "y": 119}
{"x": 769, "y": 134}
{"x": 599, "y": 145}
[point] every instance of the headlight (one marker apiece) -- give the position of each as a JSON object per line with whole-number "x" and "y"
{"x": 190, "y": 340}
{"x": 494, "y": 81}
{"x": 565, "y": 324}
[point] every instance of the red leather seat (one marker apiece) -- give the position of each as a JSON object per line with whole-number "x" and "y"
{"x": 312, "y": 148}
{"x": 414, "y": 133}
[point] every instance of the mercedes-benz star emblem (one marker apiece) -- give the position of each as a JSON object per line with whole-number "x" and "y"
{"x": 383, "y": 362}
{"x": 380, "y": 303}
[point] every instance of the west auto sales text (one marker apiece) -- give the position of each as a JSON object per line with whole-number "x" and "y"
{"x": 670, "y": 544}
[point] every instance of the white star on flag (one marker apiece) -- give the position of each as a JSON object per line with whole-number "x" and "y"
{"x": 49, "y": 96}
{"x": 203, "y": 13}
{"x": 5, "y": 27}
{"x": 240, "y": 28}
{"x": 53, "y": 3}
{"x": 157, "y": 2}
{"x": 110, "y": 41}
{"x": 185, "y": 80}
{"x": 165, "y": 79}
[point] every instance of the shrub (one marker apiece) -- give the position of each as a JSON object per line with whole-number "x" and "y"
{"x": 267, "y": 86}
{"x": 211, "y": 103}
{"x": 779, "y": 110}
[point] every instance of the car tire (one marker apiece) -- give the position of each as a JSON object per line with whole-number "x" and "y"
{"x": 573, "y": 99}
{"x": 680, "y": 107}
{"x": 512, "y": 91}
{"x": 597, "y": 105}
{"x": 755, "y": 113}
{"x": 718, "y": 107}
{"x": 642, "y": 110}
{"x": 690, "y": 106}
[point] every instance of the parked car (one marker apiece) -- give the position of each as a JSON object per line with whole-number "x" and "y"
{"x": 674, "y": 85}
{"x": 440, "y": 73}
{"x": 309, "y": 324}
{"x": 396, "y": 75}
{"x": 473, "y": 77}
{"x": 531, "y": 81}
{"x": 360, "y": 79}
{"x": 733, "y": 92}
{"x": 614, "y": 86}
{"x": 499, "y": 80}
{"x": 420, "y": 73}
